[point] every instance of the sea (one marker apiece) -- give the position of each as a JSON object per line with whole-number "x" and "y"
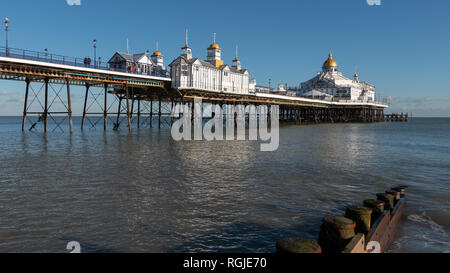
{"x": 142, "y": 191}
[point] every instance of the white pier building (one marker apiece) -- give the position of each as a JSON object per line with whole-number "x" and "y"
{"x": 330, "y": 84}
{"x": 210, "y": 75}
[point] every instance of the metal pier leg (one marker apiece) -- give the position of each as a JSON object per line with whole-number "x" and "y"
{"x": 132, "y": 107}
{"x": 46, "y": 105}
{"x": 25, "y": 105}
{"x": 69, "y": 107}
{"x": 151, "y": 113}
{"x": 105, "y": 110}
{"x": 171, "y": 113}
{"x": 118, "y": 112}
{"x": 159, "y": 113}
{"x": 128, "y": 111}
{"x": 139, "y": 114}
{"x": 192, "y": 111}
{"x": 84, "y": 108}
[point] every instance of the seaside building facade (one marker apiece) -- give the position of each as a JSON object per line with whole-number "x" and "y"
{"x": 211, "y": 74}
{"x": 330, "y": 84}
{"x": 139, "y": 63}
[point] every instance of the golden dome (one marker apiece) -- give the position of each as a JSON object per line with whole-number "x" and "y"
{"x": 157, "y": 53}
{"x": 330, "y": 62}
{"x": 214, "y": 46}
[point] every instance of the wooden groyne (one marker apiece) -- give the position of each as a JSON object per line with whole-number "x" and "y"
{"x": 369, "y": 228}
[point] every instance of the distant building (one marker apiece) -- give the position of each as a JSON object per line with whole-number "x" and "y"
{"x": 139, "y": 63}
{"x": 211, "y": 74}
{"x": 263, "y": 89}
{"x": 281, "y": 90}
{"x": 330, "y": 84}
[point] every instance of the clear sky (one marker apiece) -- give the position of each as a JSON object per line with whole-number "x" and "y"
{"x": 401, "y": 46}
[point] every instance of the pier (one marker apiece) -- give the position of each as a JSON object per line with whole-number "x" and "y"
{"x": 146, "y": 98}
{"x": 396, "y": 117}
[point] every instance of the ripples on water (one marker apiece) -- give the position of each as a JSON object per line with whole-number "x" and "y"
{"x": 144, "y": 192}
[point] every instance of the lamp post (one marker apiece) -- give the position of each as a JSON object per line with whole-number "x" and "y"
{"x": 99, "y": 62}
{"x": 95, "y": 53}
{"x": 6, "y": 30}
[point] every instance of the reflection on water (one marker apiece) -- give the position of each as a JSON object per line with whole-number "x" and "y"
{"x": 122, "y": 192}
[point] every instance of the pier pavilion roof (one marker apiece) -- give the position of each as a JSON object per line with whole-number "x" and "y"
{"x": 128, "y": 57}
{"x": 182, "y": 59}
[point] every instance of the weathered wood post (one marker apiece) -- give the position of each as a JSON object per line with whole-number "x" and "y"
{"x": 377, "y": 207}
{"x": 361, "y": 216}
{"x": 401, "y": 189}
{"x": 297, "y": 245}
{"x": 396, "y": 195}
{"x": 335, "y": 233}
{"x": 388, "y": 200}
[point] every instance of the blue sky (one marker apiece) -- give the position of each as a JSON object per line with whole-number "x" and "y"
{"x": 401, "y": 46}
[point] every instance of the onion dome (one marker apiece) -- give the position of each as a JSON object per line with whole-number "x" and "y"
{"x": 157, "y": 53}
{"x": 330, "y": 62}
{"x": 214, "y": 46}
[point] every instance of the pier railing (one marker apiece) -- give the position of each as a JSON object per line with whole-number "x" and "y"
{"x": 361, "y": 101}
{"x": 67, "y": 60}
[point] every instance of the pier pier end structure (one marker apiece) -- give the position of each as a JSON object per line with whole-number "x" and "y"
{"x": 135, "y": 98}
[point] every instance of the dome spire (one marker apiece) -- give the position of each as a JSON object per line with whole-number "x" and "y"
{"x": 186, "y": 51}
{"x": 237, "y": 54}
{"x": 236, "y": 62}
{"x": 187, "y": 40}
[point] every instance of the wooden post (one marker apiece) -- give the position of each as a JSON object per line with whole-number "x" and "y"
{"x": 69, "y": 107}
{"x": 292, "y": 245}
{"x": 25, "y": 105}
{"x": 46, "y": 105}
{"x": 84, "y": 108}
